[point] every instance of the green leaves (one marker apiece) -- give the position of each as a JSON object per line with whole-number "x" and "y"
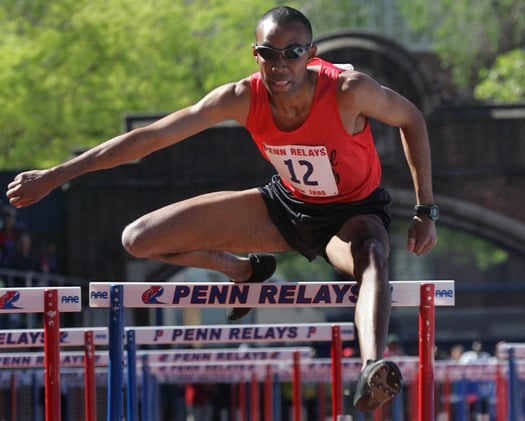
{"x": 468, "y": 35}
{"x": 72, "y": 68}
{"x": 504, "y": 82}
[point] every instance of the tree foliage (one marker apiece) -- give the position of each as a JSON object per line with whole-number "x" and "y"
{"x": 71, "y": 68}
{"x": 468, "y": 35}
{"x": 504, "y": 82}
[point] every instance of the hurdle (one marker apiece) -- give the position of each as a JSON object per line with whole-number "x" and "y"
{"x": 219, "y": 334}
{"x": 166, "y": 335}
{"x": 157, "y": 360}
{"x": 301, "y": 332}
{"x": 188, "y": 335}
{"x": 512, "y": 352}
{"x": 68, "y": 337}
{"x": 422, "y": 294}
{"x": 51, "y": 302}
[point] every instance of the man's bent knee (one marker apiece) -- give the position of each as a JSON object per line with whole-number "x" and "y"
{"x": 371, "y": 253}
{"x": 132, "y": 241}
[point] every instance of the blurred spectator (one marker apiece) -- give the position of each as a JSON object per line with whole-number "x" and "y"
{"x": 48, "y": 257}
{"x": 198, "y": 402}
{"x": 456, "y": 352}
{"x": 24, "y": 256}
{"x": 393, "y": 347}
{"x": 9, "y": 233}
{"x": 476, "y": 354}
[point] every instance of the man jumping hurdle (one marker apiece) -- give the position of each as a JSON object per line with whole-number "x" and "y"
{"x": 310, "y": 119}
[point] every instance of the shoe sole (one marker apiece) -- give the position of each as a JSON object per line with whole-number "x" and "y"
{"x": 384, "y": 384}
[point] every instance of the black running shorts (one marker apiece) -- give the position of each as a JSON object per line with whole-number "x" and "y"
{"x": 308, "y": 227}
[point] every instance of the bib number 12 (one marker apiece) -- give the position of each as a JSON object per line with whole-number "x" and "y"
{"x": 309, "y": 169}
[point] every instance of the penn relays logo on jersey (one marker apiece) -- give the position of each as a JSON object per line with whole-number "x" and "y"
{"x": 151, "y": 295}
{"x": 7, "y": 300}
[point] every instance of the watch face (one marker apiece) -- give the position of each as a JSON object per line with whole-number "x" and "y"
{"x": 434, "y": 212}
{"x": 431, "y": 211}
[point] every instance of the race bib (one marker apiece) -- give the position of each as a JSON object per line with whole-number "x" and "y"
{"x": 306, "y": 168}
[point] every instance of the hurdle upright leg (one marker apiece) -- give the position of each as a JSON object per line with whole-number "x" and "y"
{"x": 90, "y": 392}
{"x": 426, "y": 353}
{"x": 296, "y": 386}
{"x": 116, "y": 345}
{"x": 337, "y": 381}
{"x": 13, "y": 398}
{"x": 268, "y": 393}
{"x": 132, "y": 402}
{"x": 52, "y": 355}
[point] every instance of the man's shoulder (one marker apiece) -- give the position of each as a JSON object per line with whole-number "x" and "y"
{"x": 233, "y": 91}
{"x": 353, "y": 81}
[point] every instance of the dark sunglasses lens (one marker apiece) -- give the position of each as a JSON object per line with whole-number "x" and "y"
{"x": 267, "y": 53}
{"x": 294, "y": 53}
{"x": 270, "y": 54}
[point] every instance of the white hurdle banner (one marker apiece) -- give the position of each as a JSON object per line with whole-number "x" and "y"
{"x": 164, "y": 358}
{"x": 30, "y": 300}
{"x": 265, "y": 295}
{"x": 186, "y": 335}
{"x": 117, "y": 296}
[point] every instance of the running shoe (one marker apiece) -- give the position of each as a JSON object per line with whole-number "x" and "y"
{"x": 263, "y": 267}
{"x": 379, "y": 382}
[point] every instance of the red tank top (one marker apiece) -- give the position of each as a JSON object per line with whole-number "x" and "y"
{"x": 319, "y": 161}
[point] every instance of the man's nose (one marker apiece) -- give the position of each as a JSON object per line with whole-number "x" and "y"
{"x": 280, "y": 62}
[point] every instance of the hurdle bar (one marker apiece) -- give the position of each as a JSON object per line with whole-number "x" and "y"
{"x": 265, "y": 295}
{"x": 269, "y": 295}
{"x": 51, "y": 302}
{"x": 162, "y": 358}
{"x": 186, "y": 335}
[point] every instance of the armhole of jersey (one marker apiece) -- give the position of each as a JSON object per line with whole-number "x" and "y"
{"x": 253, "y": 98}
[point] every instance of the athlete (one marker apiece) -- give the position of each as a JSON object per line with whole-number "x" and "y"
{"x": 310, "y": 119}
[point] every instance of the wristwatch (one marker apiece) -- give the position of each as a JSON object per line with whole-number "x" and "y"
{"x": 432, "y": 211}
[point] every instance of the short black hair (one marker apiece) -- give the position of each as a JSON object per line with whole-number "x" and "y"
{"x": 284, "y": 15}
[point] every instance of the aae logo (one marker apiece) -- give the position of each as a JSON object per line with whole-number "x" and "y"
{"x": 444, "y": 293}
{"x": 7, "y": 300}
{"x": 151, "y": 295}
{"x": 70, "y": 299}
{"x": 99, "y": 295}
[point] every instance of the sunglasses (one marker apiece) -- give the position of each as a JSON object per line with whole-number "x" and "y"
{"x": 290, "y": 53}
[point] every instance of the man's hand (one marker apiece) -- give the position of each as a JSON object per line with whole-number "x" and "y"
{"x": 422, "y": 236}
{"x": 29, "y": 187}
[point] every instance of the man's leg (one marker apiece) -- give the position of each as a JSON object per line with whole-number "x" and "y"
{"x": 361, "y": 249}
{"x": 205, "y": 231}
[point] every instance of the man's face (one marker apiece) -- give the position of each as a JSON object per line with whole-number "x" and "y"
{"x": 283, "y": 76}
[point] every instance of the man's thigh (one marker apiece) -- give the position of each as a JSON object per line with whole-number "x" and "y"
{"x": 343, "y": 246}
{"x": 235, "y": 221}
